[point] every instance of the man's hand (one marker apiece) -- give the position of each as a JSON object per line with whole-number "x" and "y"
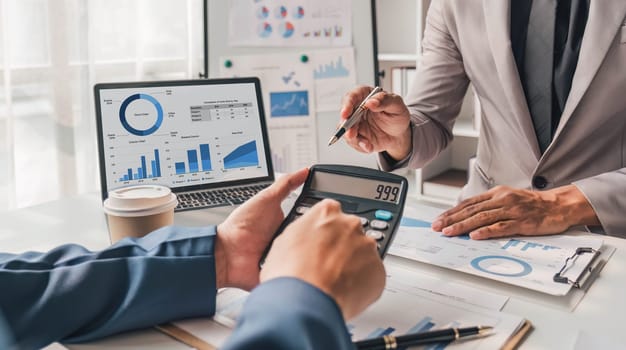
{"x": 244, "y": 235}
{"x": 328, "y": 249}
{"x": 384, "y": 127}
{"x": 504, "y": 211}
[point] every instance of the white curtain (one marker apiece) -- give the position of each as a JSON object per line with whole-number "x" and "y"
{"x": 52, "y": 52}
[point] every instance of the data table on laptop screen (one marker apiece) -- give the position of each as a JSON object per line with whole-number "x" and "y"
{"x": 182, "y": 135}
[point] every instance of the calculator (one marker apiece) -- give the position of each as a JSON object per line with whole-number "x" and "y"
{"x": 375, "y": 196}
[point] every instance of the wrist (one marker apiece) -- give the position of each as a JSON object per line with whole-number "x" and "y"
{"x": 402, "y": 146}
{"x": 221, "y": 262}
{"x": 573, "y": 206}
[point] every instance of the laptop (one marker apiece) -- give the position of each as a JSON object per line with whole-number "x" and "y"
{"x": 204, "y": 139}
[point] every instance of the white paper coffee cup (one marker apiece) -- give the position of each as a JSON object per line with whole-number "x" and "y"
{"x": 135, "y": 211}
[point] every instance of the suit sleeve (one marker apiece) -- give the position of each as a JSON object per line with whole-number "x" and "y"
{"x": 607, "y": 195}
{"x": 287, "y": 313}
{"x": 74, "y": 295}
{"x": 437, "y": 92}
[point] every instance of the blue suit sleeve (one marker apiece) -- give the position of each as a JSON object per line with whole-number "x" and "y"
{"x": 287, "y": 313}
{"x": 75, "y": 295}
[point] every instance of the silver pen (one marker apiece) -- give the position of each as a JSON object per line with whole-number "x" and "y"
{"x": 354, "y": 118}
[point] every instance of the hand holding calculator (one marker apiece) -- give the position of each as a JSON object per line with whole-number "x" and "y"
{"x": 376, "y": 197}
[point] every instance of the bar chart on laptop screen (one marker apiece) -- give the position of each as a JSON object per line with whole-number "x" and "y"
{"x": 182, "y": 135}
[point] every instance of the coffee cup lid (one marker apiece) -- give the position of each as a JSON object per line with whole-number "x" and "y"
{"x": 141, "y": 200}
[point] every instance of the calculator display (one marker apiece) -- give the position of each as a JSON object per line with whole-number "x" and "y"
{"x": 356, "y": 186}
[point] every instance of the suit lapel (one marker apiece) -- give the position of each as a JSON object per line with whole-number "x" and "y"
{"x": 605, "y": 19}
{"x": 498, "y": 23}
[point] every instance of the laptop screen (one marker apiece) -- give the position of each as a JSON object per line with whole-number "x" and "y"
{"x": 187, "y": 135}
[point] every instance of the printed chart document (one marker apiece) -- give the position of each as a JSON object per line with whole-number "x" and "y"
{"x": 529, "y": 262}
{"x": 302, "y": 23}
{"x": 411, "y": 302}
{"x": 289, "y": 100}
{"x": 403, "y": 309}
{"x": 294, "y": 91}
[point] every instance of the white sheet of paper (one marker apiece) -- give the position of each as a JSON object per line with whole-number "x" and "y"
{"x": 445, "y": 289}
{"x": 410, "y": 284}
{"x": 401, "y": 310}
{"x": 288, "y": 94}
{"x": 529, "y": 262}
{"x": 304, "y": 23}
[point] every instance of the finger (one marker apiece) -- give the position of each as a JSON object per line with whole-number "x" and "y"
{"x": 327, "y": 206}
{"x": 352, "y": 99}
{"x": 365, "y": 145}
{"x": 288, "y": 183}
{"x": 481, "y": 219}
{"x": 384, "y": 102}
{"x": 359, "y": 143}
{"x": 498, "y": 229}
{"x": 441, "y": 220}
{"x": 468, "y": 212}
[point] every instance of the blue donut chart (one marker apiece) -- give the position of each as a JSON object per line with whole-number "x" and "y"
{"x": 527, "y": 269}
{"x": 127, "y": 125}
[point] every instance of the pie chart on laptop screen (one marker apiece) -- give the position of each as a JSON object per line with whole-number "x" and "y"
{"x": 141, "y": 114}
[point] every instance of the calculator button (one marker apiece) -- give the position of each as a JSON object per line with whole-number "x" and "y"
{"x": 383, "y": 215}
{"x": 302, "y": 209}
{"x": 364, "y": 221}
{"x": 377, "y": 235}
{"x": 379, "y": 225}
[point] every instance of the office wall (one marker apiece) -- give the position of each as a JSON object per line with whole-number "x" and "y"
{"x": 363, "y": 43}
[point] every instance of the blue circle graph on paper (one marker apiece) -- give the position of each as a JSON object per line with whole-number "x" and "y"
{"x": 526, "y": 268}
{"x": 286, "y": 29}
{"x": 131, "y": 129}
{"x": 264, "y": 29}
{"x": 262, "y": 12}
{"x": 298, "y": 13}
{"x": 280, "y": 12}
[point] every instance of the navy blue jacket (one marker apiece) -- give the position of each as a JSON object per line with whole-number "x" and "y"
{"x": 72, "y": 295}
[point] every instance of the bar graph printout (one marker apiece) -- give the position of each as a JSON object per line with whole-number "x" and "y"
{"x": 529, "y": 262}
{"x": 411, "y": 302}
{"x": 402, "y": 309}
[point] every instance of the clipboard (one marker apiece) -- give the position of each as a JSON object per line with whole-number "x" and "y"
{"x": 583, "y": 277}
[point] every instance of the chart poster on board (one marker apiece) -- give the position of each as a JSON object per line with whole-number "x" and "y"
{"x": 289, "y": 102}
{"x": 282, "y": 23}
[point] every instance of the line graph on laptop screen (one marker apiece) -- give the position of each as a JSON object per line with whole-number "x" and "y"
{"x": 182, "y": 135}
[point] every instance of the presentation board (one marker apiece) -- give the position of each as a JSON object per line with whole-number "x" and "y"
{"x": 226, "y": 50}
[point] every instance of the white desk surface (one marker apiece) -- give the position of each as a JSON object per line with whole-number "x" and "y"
{"x": 601, "y": 313}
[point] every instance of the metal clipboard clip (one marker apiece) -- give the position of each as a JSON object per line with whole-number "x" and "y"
{"x": 559, "y": 278}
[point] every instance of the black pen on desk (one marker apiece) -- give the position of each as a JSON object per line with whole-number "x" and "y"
{"x": 354, "y": 117}
{"x": 439, "y": 336}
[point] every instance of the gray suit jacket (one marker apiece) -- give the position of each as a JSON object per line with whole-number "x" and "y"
{"x": 469, "y": 41}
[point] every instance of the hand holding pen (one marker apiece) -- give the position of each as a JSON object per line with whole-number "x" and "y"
{"x": 385, "y": 128}
{"x": 354, "y": 118}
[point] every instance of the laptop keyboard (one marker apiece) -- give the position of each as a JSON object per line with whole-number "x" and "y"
{"x": 217, "y": 197}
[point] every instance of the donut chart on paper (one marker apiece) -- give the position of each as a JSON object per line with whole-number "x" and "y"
{"x": 265, "y": 29}
{"x": 298, "y": 12}
{"x": 262, "y": 12}
{"x": 499, "y": 265}
{"x": 280, "y": 12}
{"x": 286, "y": 29}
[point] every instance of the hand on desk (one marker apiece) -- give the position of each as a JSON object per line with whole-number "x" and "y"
{"x": 384, "y": 127}
{"x": 504, "y": 211}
